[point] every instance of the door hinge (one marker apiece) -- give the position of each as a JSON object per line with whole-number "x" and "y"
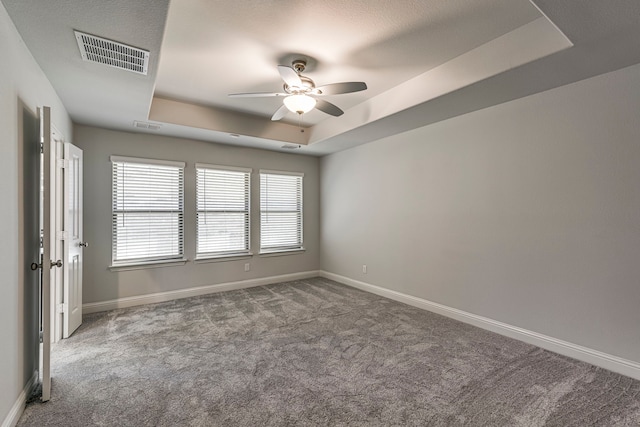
{"x": 63, "y": 163}
{"x": 61, "y": 308}
{"x": 62, "y": 235}
{"x": 41, "y": 148}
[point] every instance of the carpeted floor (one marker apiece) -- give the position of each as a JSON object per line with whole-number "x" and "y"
{"x": 315, "y": 352}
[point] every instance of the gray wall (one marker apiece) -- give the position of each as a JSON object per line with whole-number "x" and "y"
{"x": 527, "y": 213}
{"x": 23, "y": 88}
{"x": 102, "y": 284}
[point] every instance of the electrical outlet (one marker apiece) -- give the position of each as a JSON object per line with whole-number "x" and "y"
{"x": 247, "y": 267}
{"x": 364, "y": 268}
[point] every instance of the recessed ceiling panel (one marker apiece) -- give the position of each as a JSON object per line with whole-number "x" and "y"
{"x": 212, "y": 49}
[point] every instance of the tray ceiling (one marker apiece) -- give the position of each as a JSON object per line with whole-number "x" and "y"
{"x": 423, "y": 60}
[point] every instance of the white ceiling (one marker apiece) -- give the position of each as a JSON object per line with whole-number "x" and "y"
{"x": 423, "y": 60}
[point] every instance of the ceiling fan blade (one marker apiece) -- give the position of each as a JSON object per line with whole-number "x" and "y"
{"x": 280, "y": 113}
{"x": 339, "y": 88}
{"x": 256, "y": 94}
{"x": 289, "y": 75}
{"x": 329, "y": 108}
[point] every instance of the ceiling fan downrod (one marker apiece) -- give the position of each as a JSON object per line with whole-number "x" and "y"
{"x": 299, "y": 65}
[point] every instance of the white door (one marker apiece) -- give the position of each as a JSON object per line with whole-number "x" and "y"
{"x": 32, "y": 231}
{"x": 73, "y": 243}
{"x": 48, "y": 247}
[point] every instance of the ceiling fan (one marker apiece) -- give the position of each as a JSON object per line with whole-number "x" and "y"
{"x": 300, "y": 92}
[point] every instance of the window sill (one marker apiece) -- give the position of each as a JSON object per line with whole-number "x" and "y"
{"x": 222, "y": 258}
{"x": 283, "y": 252}
{"x": 146, "y": 265}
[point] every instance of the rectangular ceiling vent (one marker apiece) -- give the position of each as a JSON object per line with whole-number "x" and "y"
{"x": 146, "y": 125}
{"x": 113, "y": 54}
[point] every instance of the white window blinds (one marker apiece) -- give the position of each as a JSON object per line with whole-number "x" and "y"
{"x": 222, "y": 198}
{"x": 280, "y": 211}
{"x": 148, "y": 210}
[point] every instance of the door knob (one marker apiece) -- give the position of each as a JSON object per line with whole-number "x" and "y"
{"x": 83, "y": 244}
{"x": 35, "y": 266}
{"x": 56, "y": 264}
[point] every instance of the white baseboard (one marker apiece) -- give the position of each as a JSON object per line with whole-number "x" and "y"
{"x": 18, "y": 407}
{"x": 585, "y": 354}
{"x": 94, "y": 307}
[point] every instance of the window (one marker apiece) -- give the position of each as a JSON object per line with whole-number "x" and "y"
{"x": 222, "y": 199}
{"x": 280, "y": 211}
{"x": 148, "y": 210}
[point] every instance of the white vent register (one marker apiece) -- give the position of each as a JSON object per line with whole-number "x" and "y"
{"x": 112, "y": 54}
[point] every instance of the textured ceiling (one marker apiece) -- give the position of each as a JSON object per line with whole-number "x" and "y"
{"x": 93, "y": 94}
{"x": 423, "y": 60}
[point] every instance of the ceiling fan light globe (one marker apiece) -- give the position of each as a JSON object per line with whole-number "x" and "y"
{"x": 300, "y": 104}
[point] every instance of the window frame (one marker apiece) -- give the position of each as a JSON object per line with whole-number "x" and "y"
{"x": 221, "y": 255}
{"x": 178, "y": 257}
{"x": 283, "y": 249}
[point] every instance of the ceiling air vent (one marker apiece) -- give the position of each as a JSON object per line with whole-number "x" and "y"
{"x": 146, "y": 125}
{"x": 113, "y": 54}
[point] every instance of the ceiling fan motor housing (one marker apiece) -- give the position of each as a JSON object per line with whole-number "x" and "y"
{"x": 307, "y": 85}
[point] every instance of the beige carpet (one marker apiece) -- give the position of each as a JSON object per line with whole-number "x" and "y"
{"x": 314, "y": 352}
